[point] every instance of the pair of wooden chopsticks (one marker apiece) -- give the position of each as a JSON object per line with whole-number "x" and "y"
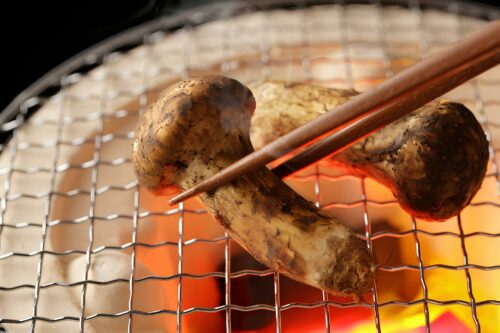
{"x": 367, "y": 112}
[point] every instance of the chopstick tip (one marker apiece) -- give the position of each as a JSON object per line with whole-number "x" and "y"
{"x": 183, "y": 196}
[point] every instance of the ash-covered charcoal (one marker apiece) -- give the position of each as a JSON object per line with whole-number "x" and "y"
{"x": 433, "y": 160}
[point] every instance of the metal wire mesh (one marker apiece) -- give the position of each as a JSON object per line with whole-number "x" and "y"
{"x": 70, "y": 202}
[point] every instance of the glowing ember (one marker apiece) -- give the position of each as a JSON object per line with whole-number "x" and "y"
{"x": 398, "y": 279}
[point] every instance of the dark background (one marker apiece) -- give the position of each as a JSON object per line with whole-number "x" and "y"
{"x": 38, "y": 35}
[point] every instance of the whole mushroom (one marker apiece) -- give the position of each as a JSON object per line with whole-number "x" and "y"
{"x": 198, "y": 127}
{"x": 433, "y": 160}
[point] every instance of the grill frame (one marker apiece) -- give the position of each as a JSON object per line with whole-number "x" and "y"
{"x": 27, "y": 102}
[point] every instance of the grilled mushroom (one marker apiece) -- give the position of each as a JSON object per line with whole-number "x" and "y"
{"x": 200, "y": 126}
{"x": 433, "y": 160}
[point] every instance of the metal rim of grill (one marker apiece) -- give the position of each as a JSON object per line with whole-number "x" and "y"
{"x": 18, "y": 113}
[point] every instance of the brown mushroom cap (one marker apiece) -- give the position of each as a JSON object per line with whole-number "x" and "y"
{"x": 199, "y": 117}
{"x": 434, "y": 160}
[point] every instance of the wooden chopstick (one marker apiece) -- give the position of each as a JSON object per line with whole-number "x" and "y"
{"x": 380, "y": 105}
{"x": 356, "y": 131}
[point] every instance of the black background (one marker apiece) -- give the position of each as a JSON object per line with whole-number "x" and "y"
{"x": 38, "y": 35}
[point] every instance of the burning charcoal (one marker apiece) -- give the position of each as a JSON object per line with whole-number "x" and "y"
{"x": 249, "y": 290}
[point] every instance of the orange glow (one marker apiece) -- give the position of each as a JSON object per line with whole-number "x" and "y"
{"x": 402, "y": 285}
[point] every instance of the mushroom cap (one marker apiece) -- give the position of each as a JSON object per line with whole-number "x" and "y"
{"x": 198, "y": 118}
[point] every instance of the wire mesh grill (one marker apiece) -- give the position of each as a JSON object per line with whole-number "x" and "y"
{"x": 84, "y": 248}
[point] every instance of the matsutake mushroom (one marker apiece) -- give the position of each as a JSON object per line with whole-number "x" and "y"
{"x": 433, "y": 160}
{"x": 198, "y": 127}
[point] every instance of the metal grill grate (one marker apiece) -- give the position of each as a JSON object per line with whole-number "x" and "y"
{"x": 70, "y": 202}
